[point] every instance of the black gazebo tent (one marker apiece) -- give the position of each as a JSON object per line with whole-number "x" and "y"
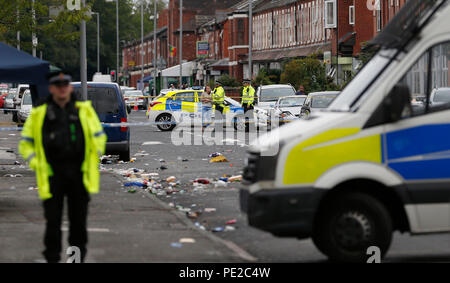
{"x": 20, "y": 67}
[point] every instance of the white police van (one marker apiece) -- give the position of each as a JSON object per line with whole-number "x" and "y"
{"x": 375, "y": 161}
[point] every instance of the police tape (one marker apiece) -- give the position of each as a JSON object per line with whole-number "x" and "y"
{"x": 143, "y": 124}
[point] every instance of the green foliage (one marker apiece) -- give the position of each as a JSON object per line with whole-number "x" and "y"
{"x": 267, "y": 76}
{"x": 367, "y": 52}
{"x": 229, "y": 81}
{"x": 59, "y": 38}
{"x": 308, "y": 72}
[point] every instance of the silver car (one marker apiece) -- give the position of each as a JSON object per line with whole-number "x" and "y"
{"x": 25, "y": 107}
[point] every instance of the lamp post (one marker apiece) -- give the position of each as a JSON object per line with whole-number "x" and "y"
{"x": 117, "y": 33}
{"x": 250, "y": 33}
{"x": 155, "y": 64}
{"x": 98, "y": 41}
{"x": 142, "y": 45}
{"x": 83, "y": 60}
{"x": 181, "y": 42}
{"x": 33, "y": 35}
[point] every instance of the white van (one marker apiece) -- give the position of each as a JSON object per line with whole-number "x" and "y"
{"x": 370, "y": 164}
{"x": 100, "y": 78}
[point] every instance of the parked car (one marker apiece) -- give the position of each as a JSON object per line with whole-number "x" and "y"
{"x": 25, "y": 107}
{"x": 2, "y": 99}
{"x": 9, "y": 102}
{"x": 4, "y": 89}
{"x": 110, "y": 106}
{"x": 134, "y": 98}
{"x": 289, "y": 108}
{"x": 318, "y": 101}
{"x": 440, "y": 96}
{"x": 266, "y": 99}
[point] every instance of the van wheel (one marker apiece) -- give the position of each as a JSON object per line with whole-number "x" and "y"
{"x": 165, "y": 118}
{"x": 14, "y": 117}
{"x": 350, "y": 225}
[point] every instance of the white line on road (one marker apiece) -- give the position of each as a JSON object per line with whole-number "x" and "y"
{"x": 152, "y": 143}
{"x": 94, "y": 230}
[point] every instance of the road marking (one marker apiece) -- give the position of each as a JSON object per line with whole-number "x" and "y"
{"x": 152, "y": 143}
{"x": 94, "y": 230}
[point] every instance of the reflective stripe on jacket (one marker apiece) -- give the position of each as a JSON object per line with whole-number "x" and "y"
{"x": 32, "y": 149}
{"x": 248, "y": 95}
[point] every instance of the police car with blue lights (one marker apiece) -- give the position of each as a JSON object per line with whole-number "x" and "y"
{"x": 183, "y": 107}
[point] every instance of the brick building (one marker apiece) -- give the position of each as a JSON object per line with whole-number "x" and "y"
{"x": 335, "y": 30}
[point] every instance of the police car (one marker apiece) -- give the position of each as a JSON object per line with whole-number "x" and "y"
{"x": 183, "y": 107}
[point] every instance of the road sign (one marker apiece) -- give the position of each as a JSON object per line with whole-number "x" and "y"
{"x": 202, "y": 48}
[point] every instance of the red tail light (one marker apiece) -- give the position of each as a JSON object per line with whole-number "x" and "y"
{"x": 126, "y": 98}
{"x": 123, "y": 120}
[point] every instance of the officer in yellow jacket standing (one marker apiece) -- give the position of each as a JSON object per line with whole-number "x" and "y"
{"x": 218, "y": 97}
{"x": 248, "y": 96}
{"x": 62, "y": 140}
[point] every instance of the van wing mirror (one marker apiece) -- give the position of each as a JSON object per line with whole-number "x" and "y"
{"x": 397, "y": 101}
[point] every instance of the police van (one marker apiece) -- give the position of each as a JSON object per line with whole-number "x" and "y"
{"x": 372, "y": 163}
{"x": 183, "y": 107}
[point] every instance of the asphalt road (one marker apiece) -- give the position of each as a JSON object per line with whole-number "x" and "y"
{"x": 261, "y": 245}
{"x": 142, "y": 226}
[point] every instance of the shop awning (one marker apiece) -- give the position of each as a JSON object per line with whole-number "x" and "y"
{"x": 146, "y": 79}
{"x": 188, "y": 70}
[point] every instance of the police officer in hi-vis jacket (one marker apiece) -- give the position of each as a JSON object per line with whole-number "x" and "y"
{"x": 62, "y": 141}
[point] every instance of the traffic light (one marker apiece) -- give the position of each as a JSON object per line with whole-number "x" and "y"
{"x": 113, "y": 75}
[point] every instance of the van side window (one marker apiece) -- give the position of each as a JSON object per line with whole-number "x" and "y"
{"x": 429, "y": 85}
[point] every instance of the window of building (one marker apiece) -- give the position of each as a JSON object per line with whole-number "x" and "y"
{"x": 240, "y": 32}
{"x": 330, "y": 14}
{"x": 351, "y": 15}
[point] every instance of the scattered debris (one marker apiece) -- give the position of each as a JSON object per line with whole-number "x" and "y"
{"x": 217, "y": 159}
{"x": 187, "y": 240}
{"x": 176, "y": 245}
{"x": 215, "y": 154}
{"x": 163, "y": 167}
{"x": 203, "y": 181}
{"x": 171, "y": 179}
{"x": 209, "y": 210}
{"x": 218, "y": 229}
{"x": 232, "y": 221}
{"x": 229, "y": 228}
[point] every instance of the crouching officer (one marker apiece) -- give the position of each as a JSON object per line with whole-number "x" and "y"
{"x": 248, "y": 96}
{"x": 218, "y": 97}
{"x": 62, "y": 140}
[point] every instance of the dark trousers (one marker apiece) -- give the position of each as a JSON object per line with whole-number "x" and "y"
{"x": 247, "y": 107}
{"x": 77, "y": 200}
{"x": 219, "y": 108}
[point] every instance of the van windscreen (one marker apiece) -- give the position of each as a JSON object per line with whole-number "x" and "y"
{"x": 104, "y": 99}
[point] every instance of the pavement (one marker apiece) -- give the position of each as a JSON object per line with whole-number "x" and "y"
{"x": 141, "y": 226}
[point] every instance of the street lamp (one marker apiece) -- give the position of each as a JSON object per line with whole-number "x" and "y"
{"x": 181, "y": 42}
{"x": 83, "y": 60}
{"x": 250, "y": 35}
{"x": 98, "y": 41}
{"x": 117, "y": 31}
{"x": 155, "y": 64}
{"x": 142, "y": 46}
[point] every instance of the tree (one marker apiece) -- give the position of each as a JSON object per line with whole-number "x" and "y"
{"x": 268, "y": 76}
{"x": 308, "y": 72}
{"x": 59, "y": 37}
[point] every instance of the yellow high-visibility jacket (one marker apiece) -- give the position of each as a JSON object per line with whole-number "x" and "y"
{"x": 218, "y": 95}
{"x": 248, "y": 95}
{"x": 32, "y": 149}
